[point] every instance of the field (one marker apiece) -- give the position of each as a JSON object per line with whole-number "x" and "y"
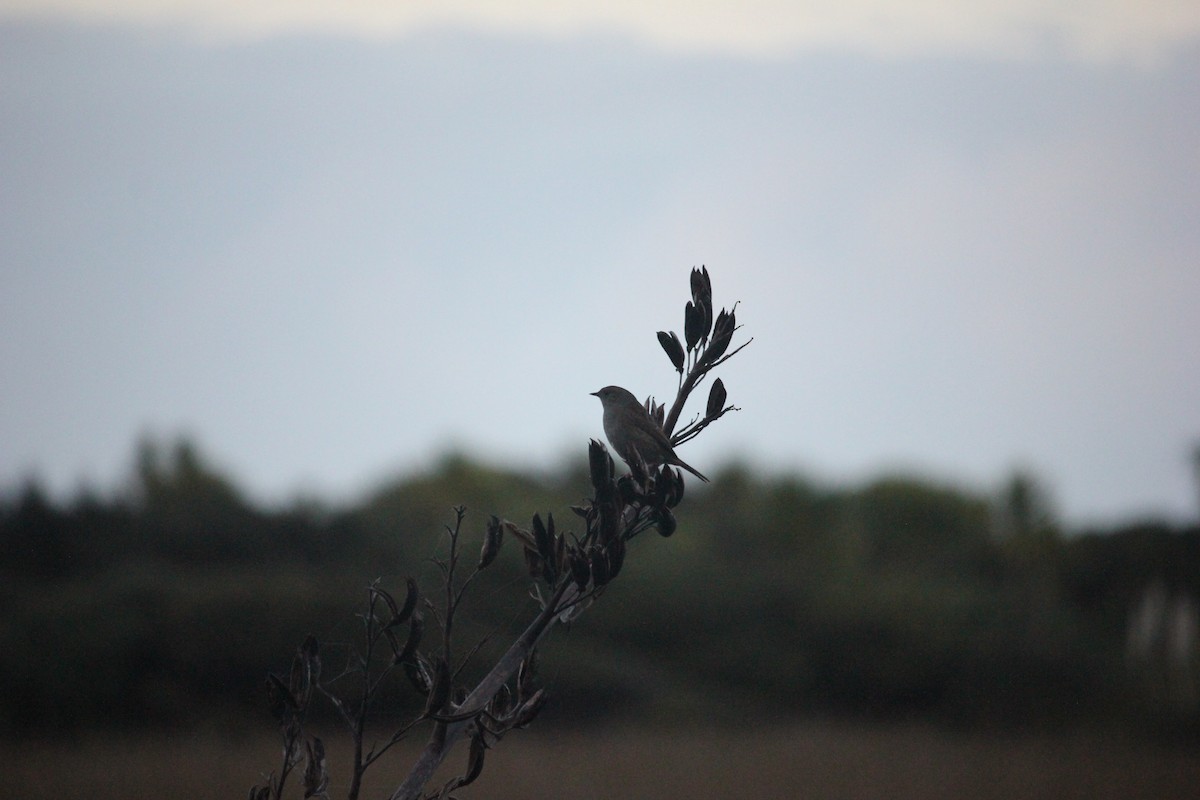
{"x": 807, "y": 760}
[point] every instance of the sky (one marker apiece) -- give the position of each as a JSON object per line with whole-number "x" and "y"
{"x": 332, "y": 241}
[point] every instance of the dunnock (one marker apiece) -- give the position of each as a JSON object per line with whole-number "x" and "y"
{"x": 632, "y": 432}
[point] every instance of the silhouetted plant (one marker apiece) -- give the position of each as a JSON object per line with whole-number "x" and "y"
{"x": 569, "y": 573}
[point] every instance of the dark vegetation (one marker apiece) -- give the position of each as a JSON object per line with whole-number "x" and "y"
{"x": 164, "y": 606}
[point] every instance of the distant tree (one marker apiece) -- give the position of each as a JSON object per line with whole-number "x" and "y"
{"x": 910, "y": 524}
{"x": 34, "y": 536}
{"x": 190, "y": 511}
{"x": 1025, "y": 511}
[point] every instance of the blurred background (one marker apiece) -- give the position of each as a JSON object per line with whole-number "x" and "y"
{"x": 282, "y": 283}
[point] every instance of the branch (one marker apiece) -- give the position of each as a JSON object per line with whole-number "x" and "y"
{"x": 446, "y": 735}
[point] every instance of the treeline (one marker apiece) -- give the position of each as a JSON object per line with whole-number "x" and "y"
{"x": 166, "y": 605}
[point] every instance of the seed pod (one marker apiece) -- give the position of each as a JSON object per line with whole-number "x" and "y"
{"x": 722, "y": 335}
{"x": 410, "y": 603}
{"x": 666, "y": 522}
{"x": 493, "y": 537}
{"x": 675, "y": 496}
{"x": 474, "y": 762}
{"x": 533, "y": 563}
{"x": 520, "y": 534}
{"x": 376, "y": 592}
{"x": 581, "y": 571}
{"x": 628, "y": 490}
{"x": 701, "y": 285}
{"x": 316, "y": 776}
{"x": 541, "y": 538}
{"x": 501, "y": 701}
{"x": 599, "y": 565}
{"x": 693, "y": 324}
{"x": 416, "y": 627}
{"x": 529, "y": 709}
{"x": 673, "y": 348}
{"x": 279, "y": 697}
{"x": 417, "y": 670}
{"x": 610, "y": 522}
{"x": 394, "y": 643}
{"x": 527, "y": 674}
{"x": 601, "y": 466}
{"x": 716, "y": 398}
{"x": 310, "y": 651}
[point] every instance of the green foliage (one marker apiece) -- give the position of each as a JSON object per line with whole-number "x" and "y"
{"x": 777, "y": 595}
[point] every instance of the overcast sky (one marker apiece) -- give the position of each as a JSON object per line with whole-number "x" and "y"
{"x": 332, "y": 240}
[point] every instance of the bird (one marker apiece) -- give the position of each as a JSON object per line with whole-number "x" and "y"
{"x": 634, "y": 434}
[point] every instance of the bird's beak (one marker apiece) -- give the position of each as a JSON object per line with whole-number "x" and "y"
{"x": 594, "y": 394}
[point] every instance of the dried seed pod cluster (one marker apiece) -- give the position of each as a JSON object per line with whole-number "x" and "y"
{"x": 569, "y": 571}
{"x": 705, "y": 345}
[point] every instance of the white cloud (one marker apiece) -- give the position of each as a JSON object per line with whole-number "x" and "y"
{"x": 1139, "y": 30}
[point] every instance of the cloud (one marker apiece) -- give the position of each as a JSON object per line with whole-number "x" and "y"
{"x": 1106, "y": 30}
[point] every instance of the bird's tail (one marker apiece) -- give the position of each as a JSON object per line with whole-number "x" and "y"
{"x": 692, "y": 470}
